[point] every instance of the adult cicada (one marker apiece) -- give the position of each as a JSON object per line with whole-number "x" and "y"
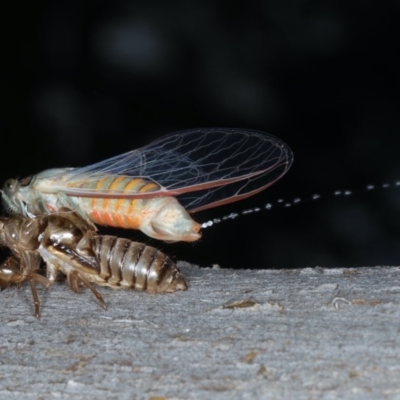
{"x": 71, "y": 245}
{"x": 156, "y": 187}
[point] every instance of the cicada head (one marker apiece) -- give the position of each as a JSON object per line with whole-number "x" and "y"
{"x": 12, "y": 194}
{"x": 8, "y": 194}
{"x": 24, "y": 197}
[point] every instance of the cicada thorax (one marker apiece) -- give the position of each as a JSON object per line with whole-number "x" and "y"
{"x": 161, "y": 217}
{"x": 21, "y": 234}
{"x": 128, "y": 264}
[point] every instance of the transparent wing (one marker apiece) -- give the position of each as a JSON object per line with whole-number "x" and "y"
{"x": 203, "y": 167}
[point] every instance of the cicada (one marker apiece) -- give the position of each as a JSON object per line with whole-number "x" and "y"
{"x": 155, "y": 188}
{"x": 70, "y": 245}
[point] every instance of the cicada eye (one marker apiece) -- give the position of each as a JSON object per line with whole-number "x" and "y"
{"x": 9, "y": 186}
{"x": 8, "y": 196}
{"x": 25, "y": 181}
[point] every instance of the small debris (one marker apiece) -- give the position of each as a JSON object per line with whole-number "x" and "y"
{"x": 240, "y": 304}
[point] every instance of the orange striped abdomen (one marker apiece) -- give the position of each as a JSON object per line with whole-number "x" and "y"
{"x": 121, "y": 213}
{"x": 161, "y": 217}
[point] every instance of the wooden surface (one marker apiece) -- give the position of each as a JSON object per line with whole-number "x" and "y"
{"x": 306, "y": 334}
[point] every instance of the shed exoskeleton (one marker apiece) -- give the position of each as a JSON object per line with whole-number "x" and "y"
{"x": 70, "y": 245}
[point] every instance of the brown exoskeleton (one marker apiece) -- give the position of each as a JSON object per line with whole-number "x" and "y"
{"x": 68, "y": 244}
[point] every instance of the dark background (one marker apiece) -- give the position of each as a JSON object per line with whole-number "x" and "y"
{"x": 83, "y": 81}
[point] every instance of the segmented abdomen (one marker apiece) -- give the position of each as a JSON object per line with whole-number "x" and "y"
{"x": 128, "y": 264}
{"x": 123, "y": 213}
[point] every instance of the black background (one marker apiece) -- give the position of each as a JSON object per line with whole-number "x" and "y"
{"x": 83, "y": 81}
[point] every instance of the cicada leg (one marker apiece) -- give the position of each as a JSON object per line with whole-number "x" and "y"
{"x": 17, "y": 271}
{"x": 75, "y": 279}
{"x": 30, "y": 264}
{"x": 36, "y": 278}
